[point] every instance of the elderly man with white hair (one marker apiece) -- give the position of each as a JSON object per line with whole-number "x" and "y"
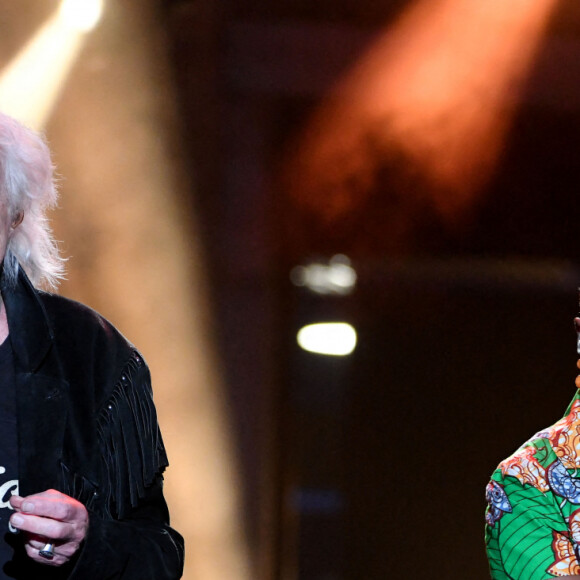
{"x": 82, "y": 458}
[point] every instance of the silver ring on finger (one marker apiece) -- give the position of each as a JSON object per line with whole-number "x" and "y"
{"x": 47, "y": 552}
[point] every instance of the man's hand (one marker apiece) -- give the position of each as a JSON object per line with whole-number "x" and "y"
{"x": 50, "y": 517}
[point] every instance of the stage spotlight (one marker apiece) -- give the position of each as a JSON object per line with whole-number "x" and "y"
{"x": 435, "y": 96}
{"x": 82, "y": 15}
{"x": 40, "y": 70}
{"x": 329, "y": 338}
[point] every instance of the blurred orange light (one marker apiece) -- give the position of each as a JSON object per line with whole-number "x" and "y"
{"x": 441, "y": 87}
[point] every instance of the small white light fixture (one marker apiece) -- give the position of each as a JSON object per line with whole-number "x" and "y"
{"x": 338, "y": 277}
{"x": 82, "y": 15}
{"x": 329, "y": 338}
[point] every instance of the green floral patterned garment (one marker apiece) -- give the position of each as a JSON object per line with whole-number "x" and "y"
{"x": 533, "y": 517}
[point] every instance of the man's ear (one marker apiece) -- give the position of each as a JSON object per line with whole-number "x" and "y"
{"x": 17, "y": 220}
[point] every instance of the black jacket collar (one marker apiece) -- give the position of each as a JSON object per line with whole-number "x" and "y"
{"x": 30, "y": 333}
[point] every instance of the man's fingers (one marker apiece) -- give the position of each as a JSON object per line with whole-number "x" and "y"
{"x": 33, "y": 554}
{"x": 48, "y": 508}
{"x": 41, "y": 526}
{"x": 49, "y": 504}
{"x": 37, "y": 543}
{"x": 16, "y": 500}
{"x": 50, "y": 517}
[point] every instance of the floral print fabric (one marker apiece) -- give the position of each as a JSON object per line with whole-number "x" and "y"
{"x": 533, "y": 515}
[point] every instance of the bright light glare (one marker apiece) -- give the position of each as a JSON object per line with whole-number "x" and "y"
{"x": 330, "y": 338}
{"x": 339, "y": 277}
{"x": 31, "y": 84}
{"x": 82, "y": 15}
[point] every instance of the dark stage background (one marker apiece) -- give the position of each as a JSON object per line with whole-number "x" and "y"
{"x": 375, "y": 466}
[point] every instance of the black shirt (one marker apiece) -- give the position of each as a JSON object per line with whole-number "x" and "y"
{"x": 8, "y": 450}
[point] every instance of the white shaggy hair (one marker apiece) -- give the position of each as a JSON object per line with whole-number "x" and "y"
{"x": 27, "y": 187}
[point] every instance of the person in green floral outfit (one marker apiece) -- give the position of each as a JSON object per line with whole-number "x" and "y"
{"x": 532, "y": 527}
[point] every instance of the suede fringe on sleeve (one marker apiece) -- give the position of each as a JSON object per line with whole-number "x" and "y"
{"x": 78, "y": 486}
{"x": 130, "y": 441}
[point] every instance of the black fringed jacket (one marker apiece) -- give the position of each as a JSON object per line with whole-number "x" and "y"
{"x": 87, "y": 427}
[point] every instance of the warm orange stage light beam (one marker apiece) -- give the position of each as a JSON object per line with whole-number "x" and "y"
{"x": 31, "y": 84}
{"x": 441, "y": 87}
